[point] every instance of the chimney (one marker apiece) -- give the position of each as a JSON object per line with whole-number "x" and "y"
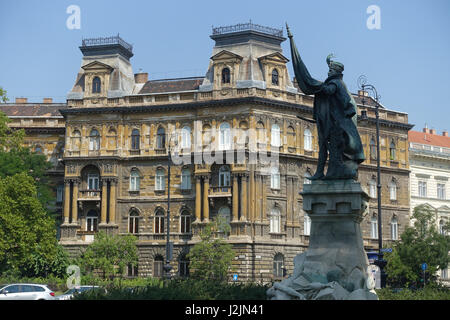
{"x": 47, "y": 100}
{"x": 21, "y": 100}
{"x": 433, "y": 131}
{"x": 445, "y": 133}
{"x": 141, "y": 77}
{"x": 426, "y": 130}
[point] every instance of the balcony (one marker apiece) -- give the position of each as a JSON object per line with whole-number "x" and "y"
{"x": 89, "y": 195}
{"x": 220, "y": 191}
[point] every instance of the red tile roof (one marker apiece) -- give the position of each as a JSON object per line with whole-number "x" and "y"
{"x": 32, "y": 109}
{"x": 428, "y": 138}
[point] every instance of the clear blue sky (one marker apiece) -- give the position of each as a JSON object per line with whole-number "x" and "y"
{"x": 407, "y": 60}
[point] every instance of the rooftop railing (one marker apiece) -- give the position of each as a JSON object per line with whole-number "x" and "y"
{"x": 247, "y": 26}
{"x": 105, "y": 41}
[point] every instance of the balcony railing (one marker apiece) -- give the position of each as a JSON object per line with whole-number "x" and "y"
{"x": 105, "y": 41}
{"x": 248, "y": 26}
{"x": 89, "y": 195}
{"x": 220, "y": 191}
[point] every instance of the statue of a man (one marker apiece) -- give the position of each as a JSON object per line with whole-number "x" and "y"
{"x": 335, "y": 116}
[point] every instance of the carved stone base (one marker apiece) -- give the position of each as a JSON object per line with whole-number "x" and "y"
{"x": 69, "y": 230}
{"x": 108, "y": 228}
{"x": 335, "y": 265}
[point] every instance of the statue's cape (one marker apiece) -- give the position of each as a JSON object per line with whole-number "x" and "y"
{"x": 338, "y": 108}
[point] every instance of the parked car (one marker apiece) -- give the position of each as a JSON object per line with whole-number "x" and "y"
{"x": 71, "y": 292}
{"x": 26, "y": 291}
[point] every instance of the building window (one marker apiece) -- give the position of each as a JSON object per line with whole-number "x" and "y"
{"x": 373, "y": 149}
{"x": 93, "y": 181}
{"x": 185, "y": 179}
{"x": 186, "y": 137}
{"x": 160, "y": 138}
{"x": 442, "y": 227}
{"x": 224, "y": 176}
{"x": 159, "y": 221}
{"x": 96, "y": 85}
{"x": 183, "y": 267}
{"x": 394, "y": 229}
{"x": 275, "y": 221}
{"x": 224, "y": 136}
{"x": 444, "y": 273}
{"x": 374, "y": 228}
{"x": 225, "y": 75}
{"x": 185, "y": 222}
{"x": 275, "y": 77}
{"x": 76, "y": 140}
{"x": 306, "y": 225}
{"x": 94, "y": 140}
{"x": 441, "y": 191}
{"x": 393, "y": 190}
{"x": 372, "y": 188}
{"x": 308, "y": 140}
{"x": 278, "y": 265}
{"x": 92, "y": 221}
{"x": 275, "y": 139}
{"x": 135, "y": 139}
{"x": 134, "y": 180}
{"x": 422, "y": 189}
{"x": 392, "y": 150}
{"x": 133, "y": 222}
{"x": 160, "y": 180}
{"x": 132, "y": 270}
{"x": 59, "y": 193}
{"x": 158, "y": 266}
{"x": 275, "y": 178}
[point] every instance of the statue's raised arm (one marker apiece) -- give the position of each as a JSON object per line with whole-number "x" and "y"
{"x": 307, "y": 84}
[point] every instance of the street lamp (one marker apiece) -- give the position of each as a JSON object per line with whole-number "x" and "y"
{"x": 362, "y": 84}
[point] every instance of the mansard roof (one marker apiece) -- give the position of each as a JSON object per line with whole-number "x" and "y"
{"x": 171, "y": 85}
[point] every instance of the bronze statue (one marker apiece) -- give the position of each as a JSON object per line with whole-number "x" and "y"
{"x": 335, "y": 116}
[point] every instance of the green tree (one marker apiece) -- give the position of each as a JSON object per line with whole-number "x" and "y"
{"x": 211, "y": 258}
{"x": 26, "y": 230}
{"x": 3, "y": 97}
{"x": 420, "y": 243}
{"x": 110, "y": 254}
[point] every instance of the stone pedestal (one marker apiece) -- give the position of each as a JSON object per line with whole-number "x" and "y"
{"x": 335, "y": 265}
{"x": 69, "y": 230}
{"x": 108, "y": 228}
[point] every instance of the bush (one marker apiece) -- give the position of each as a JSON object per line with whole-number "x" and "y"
{"x": 428, "y": 293}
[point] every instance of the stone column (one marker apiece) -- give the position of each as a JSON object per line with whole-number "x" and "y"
{"x": 264, "y": 198}
{"x": 244, "y": 196}
{"x": 205, "y": 199}
{"x": 66, "y": 201}
{"x": 112, "y": 201}
{"x": 198, "y": 199}
{"x": 75, "y": 201}
{"x": 235, "y": 200}
{"x": 257, "y": 196}
{"x": 251, "y": 211}
{"x": 104, "y": 197}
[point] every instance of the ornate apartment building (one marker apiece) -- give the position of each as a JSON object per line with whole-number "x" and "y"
{"x": 238, "y": 151}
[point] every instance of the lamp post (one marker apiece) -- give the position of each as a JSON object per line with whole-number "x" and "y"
{"x": 362, "y": 84}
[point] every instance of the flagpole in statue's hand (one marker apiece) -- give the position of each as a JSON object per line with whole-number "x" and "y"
{"x": 288, "y": 31}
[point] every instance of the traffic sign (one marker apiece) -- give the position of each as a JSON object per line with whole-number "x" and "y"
{"x": 424, "y": 266}
{"x": 386, "y": 250}
{"x": 235, "y": 277}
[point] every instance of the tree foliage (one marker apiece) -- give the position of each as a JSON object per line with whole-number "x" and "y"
{"x": 420, "y": 243}
{"x": 211, "y": 258}
{"x": 110, "y": 254}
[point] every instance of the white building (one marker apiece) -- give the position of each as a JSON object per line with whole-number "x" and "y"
{"x": 429, "y": 158}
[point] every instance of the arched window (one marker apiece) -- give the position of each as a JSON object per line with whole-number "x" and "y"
{"x": 112, "y": 139}
{"x": 308, "y": 138}
{"x": 306, "y": 225}
{"x": 185, "y": 179}
{"x": 372, "y": 188}
{"x": 133, "y": 222}
{"x": 186, "y": 137}
{"x": 92, "y": 221}
{"x": 374, "y": 227}
{"x": 135, "y": 139}
{"x": 185, "y": 222}
{"x": 392, "y": 150}
{"x": 225, "y": 75}
{"x": 394, "y": 229}
{"x": 94, "y": 140}
{"x": 275, "y": 77}
{"x": 373, "y": 149}
{"x": 392, "y": 190}
{"x": 275, "y": 221}
{"x": 134, "y": 181}
{"x": 158, "y": 264}
{"x": 96, "y": 85}
{"x": 160, "y": 184}
{"x": 76, "y": 140}
{"x": 275, "y": 178}
{"x": 224, "y": 136}
{"x": 160, "y": 138}
{"x": 278, "y": 265}
{"x": 275, "y": 135}
{"x": 224, "y": 176}
{"x": 307, "y": 175}
{"x": 183, "y": 266}
{"x": 159, "y": 221}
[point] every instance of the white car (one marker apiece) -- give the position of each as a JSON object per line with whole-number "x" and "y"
{"x": 26, "y": 291}
{"x": 69, "y": 293}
